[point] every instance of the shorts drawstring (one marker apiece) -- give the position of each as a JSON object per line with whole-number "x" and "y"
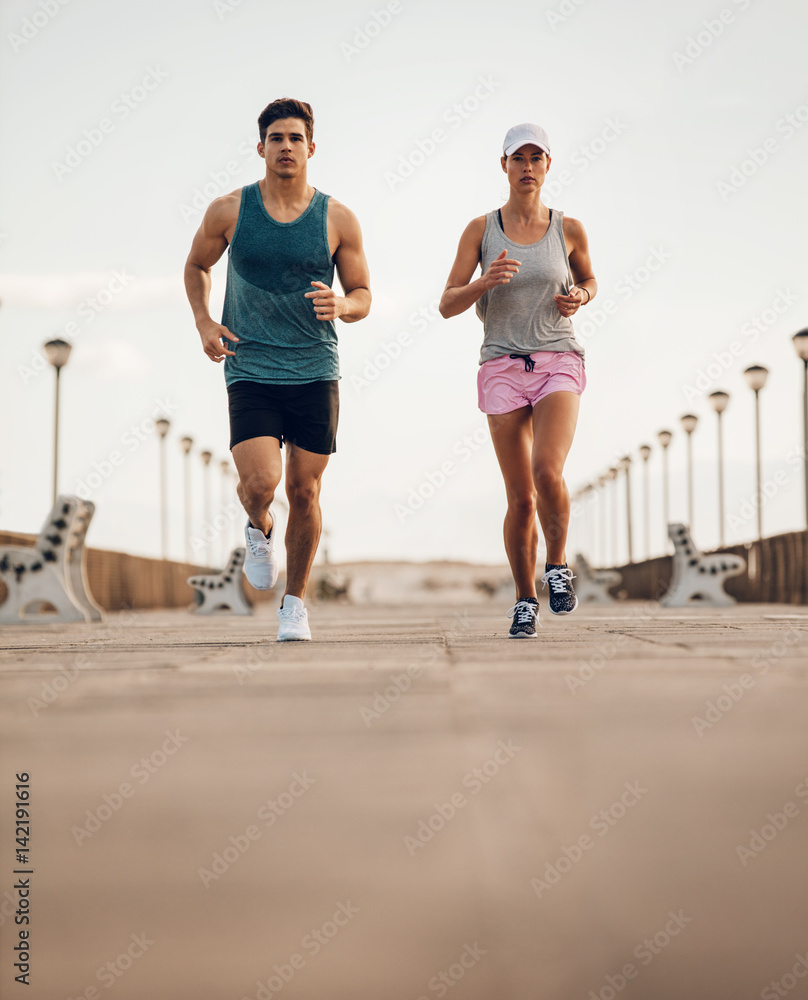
{"x": 530, "y": 364}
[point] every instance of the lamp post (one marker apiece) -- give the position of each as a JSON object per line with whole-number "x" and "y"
{"x": 206, "y": 456}
{"x": 625, "y": 466}
{"x": 163, "y": 424}
{"x": 224, "y": 467}
{"x": 800, "y": 341}
{"x": 689, "y": 421}
{"x": 612, "y": 477}
{"x": 719, "y": 401}
{"x": 756, "y": 378}
{"x": 602, "y": 481}
{"x": 645, "y": 454}
{"x": 664, "y": 438}
{"x": 57, "y": 352}
{"x": 187, "y": 443}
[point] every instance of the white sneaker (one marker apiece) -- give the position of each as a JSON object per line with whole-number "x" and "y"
{"x": 260, "y": 564}
{"x": 293, "y": 620}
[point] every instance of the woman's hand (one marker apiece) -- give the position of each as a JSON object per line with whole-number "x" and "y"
{"x": 568, "y": 305}
{"x": 500, "y": 270}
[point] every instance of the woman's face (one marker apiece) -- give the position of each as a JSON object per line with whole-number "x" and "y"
{"x": 526, "y": 168}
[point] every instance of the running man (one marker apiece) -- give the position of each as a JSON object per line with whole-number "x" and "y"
{"x": 278, "y": 340}
{"x": 535, "y": 275}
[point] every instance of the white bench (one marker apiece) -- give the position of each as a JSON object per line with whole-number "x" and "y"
{"x": 592, "y": 586}
{"x": 53, "y": 572}
{"x": 217, "y": 592}
{"x": 698, "y": 579}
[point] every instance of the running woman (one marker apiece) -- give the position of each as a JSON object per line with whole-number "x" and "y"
{"x": 535, "y": 275}
{"x": 278, "y": 340}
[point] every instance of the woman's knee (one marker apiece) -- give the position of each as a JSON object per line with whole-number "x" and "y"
{"x": 522, "y": 505}
{"x": 547, "y": 476}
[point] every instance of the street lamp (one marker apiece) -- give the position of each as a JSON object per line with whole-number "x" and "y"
{"x": 187, "y": 443}
{"x": 756, "y": 379}
{"x": 602, "y": 481}
{"x": 719, "y": 401}
{"x": 163, "y": 424}
{"x": 645, "y": 454}
{"x": 612, "y": 477}
{"x": 206, "y": 456}
{"x": 664, "y": 438}
{"x": 57, "y": 352}
{"x": 224, "y": 467}
{"x": 625, "y": 466}
{"x": 689, "y": 421}
{"x": 800, "y": 341}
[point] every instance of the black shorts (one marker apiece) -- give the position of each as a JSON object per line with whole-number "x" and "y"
{"x": 305, "y": 415}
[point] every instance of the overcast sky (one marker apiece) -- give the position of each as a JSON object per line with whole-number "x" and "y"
{"x": 679, "y": 136}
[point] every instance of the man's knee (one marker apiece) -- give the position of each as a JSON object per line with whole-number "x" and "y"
{"x": 258, "y": 487}
{"x": 303, "y": 493}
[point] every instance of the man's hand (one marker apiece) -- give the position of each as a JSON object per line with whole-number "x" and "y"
{"x": 500, "y": 270}
{"x": 327, "y": 304}
{"x": 213, "y": 335}
{"x": 568, "y": 305}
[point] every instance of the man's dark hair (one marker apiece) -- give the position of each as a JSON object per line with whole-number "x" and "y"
{"x": 286, "y": 107}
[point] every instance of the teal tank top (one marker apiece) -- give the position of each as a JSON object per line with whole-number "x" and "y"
{"x": 270, "y": 267}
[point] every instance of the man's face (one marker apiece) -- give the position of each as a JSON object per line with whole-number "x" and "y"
{"x": 286, "y": 147}
{"x": 526, "y": 168}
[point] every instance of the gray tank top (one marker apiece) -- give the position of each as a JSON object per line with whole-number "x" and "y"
{"x": 521, "y": 317}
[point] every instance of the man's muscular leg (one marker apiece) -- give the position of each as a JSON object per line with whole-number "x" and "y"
{"x": 304, "y": 472}
{"x": 259, "y": 465}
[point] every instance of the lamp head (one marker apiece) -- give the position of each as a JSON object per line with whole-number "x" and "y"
{"x": 206, "y": 456}
{"x": 665, "y": 438}
{"x": 162, "y": 424}
{"x": 57, "y": 352}
{"x": 756, "y": 377}
{"x": 645, "y": 452}
{"x": 689, "y": 421}
{"x": 187, "y": 443}
{"x": 719, "y": 400}
{"x": 800, "y": 341}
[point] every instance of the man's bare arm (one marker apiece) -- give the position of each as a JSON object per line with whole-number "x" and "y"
{"x": 208, "y": 246}
{"x": 352, "y": 269}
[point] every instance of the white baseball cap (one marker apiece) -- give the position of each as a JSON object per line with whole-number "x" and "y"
{"x": 521, "y": 135}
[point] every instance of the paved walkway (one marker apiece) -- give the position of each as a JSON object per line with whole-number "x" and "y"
{"x": 411, "y": 806}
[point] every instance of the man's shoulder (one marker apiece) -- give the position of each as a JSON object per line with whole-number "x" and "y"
{"x": 341, "y": 216}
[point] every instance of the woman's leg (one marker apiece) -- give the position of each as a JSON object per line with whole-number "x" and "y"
{"x": 511, "y": 434}
{"x": 554, "y": 420}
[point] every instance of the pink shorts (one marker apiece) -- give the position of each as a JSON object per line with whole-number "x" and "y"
{"x": 504, "y": 385}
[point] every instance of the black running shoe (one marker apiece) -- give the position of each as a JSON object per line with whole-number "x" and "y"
{"x": 562, "y": 597}
{"x": 525, "y": 614}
